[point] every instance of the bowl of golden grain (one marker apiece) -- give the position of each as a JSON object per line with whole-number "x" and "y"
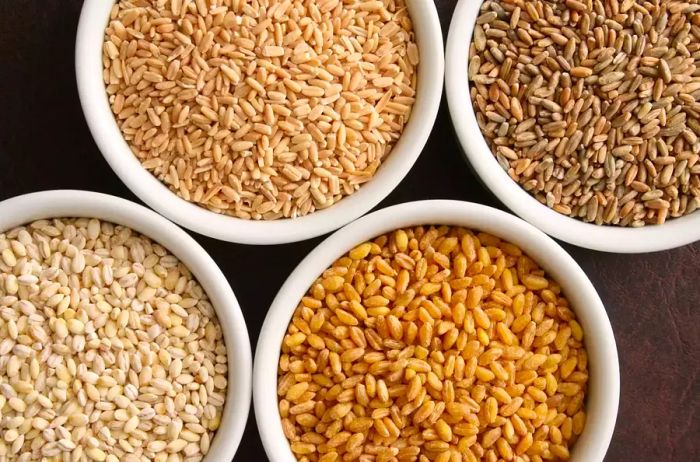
{"x": 581, "y": 120}
{"x": 260, "y": 123}
{"x": 437, "y": 330}
{"x": 121, "y": 338}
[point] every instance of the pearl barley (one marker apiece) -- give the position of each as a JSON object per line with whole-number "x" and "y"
{"x": 104, "y": 341}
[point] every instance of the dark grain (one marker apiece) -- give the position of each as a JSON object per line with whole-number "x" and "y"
{"x": 652, "y": 299}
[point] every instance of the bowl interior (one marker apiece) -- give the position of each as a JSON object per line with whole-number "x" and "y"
{"x": 604, "y": 383}
{"x": 674, "y": 233}
{"x": 58, "y": 204}
{"x": 116, "y": 151}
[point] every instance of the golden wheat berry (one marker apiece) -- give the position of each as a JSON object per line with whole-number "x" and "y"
{"x": 593, "y": 106}
{"x": 433, "y": 344}
{"x": 110, "y": 350}
{"x": 261, "y": 109}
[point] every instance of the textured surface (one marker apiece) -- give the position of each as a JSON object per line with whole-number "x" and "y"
{"x": 652, "y": 300}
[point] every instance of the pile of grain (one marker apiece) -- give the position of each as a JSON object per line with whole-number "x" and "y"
{"x": 261, "y": 109}
{"x": 110, "y": 349}
{"x": 593, "y": 106}
{"x": 433, "y": 344}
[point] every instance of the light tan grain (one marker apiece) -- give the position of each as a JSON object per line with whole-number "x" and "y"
{"x": 89, "y": 369}
{"x": 212, "y": 97}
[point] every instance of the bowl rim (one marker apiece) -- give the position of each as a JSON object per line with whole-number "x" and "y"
{"x": 106, "y": 133}
{"x": 24, "y": 209}
{"x": 603, "y": 396}
{"x": 674, "y": 233}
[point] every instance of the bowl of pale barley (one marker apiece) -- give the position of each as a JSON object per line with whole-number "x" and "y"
{"x": 121, "y": 338}
{"x": 582, "y": 117}
{"x": 437, "y": 331}
{"x": 262, "y": 122}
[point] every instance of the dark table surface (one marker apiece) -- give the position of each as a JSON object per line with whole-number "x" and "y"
{"x": 652, "y": 299}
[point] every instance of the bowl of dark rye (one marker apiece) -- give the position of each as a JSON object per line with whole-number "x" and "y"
{"x": 582, "y": 117}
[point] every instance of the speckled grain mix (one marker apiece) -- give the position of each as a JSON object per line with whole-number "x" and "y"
{"x": 433, "y": 344}
{"x": 109, "y": 351}
{"x": 593, "y": 106}
{"x": 261, "y": 109}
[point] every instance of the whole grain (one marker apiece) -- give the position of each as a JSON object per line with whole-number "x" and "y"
{"x": 433, "y": 344}
{"x": 261, "y": 109}
{"x": 593, "y": 106}
{"x": 110, "y": 350}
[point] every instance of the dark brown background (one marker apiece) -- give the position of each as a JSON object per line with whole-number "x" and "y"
{"x": 652, "y": 299}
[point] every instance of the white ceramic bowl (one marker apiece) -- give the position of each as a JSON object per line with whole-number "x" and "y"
{"x": 674, "y": 233}
{"x": 66, "y": 203}
{"x": 604, "y": 385}
{"x": 88, "y": 63}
